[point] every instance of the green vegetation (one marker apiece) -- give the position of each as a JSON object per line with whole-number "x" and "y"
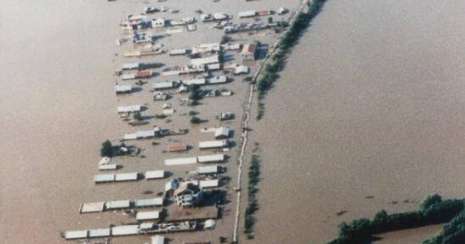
{"x": 453, "y": 232}
{"x": 433, "y": 210}
{"x": 196, "y": 120}
{"x": 195, "y": 94}
{"x": 277, "y": 60}
{"x": 252, "y": 207}
{"x": 107, "y": 149}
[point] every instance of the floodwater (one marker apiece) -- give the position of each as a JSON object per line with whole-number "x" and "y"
{"x": 57, "y": 105}
{"x": 368, "y": 115}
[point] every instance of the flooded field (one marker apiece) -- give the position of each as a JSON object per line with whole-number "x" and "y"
{"x": 58, "y": 105}
{"x": 368, "y": 115}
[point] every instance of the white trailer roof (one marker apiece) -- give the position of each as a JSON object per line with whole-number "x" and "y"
{"x": 148, "y": 215}
{"x": 75, "y": 234}
{"x": 150, "y": 202}
{"x": 117, "y": 204}
{"x": 207, "y": 60}
{"x": 213, "y": 169}
{"x": 129, "y": 109}
{"x": 96, "y": 233}
{"x": 159, "y": 85}
{"x": 200, "y": 81}
{"x": 216, "y": 66}
{"x": 146, "y": 225}
{"x": 104, "y": 178}
{"x": 154, "y": 174}
{"x": 180, "y": 161}
{"x": 209, "y": 183}
{"x": 123, "y": 88}
{"x": 213, "y": 144}
{"x": 211, "y": 158}
{"x": 158, "y": 239}
{"x": 218, "y": 79}
{"x": 126, "y": 176}
{"x": 124, "y": 230}
{"x": 130, "y": 66}
{"x": 92, "y": 207}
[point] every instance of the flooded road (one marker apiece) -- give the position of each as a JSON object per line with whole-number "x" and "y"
{"x": 368, "y": 115}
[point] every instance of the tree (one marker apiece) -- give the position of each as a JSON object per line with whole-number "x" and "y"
{"x": 430, "y": 200}
{"x": 196, "y": 120}
{"x": 107, "y": 149}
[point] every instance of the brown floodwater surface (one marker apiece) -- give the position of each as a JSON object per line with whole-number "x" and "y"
{"x": 369, "y": 114}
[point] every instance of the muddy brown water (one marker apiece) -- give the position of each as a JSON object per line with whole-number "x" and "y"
{"x": 369, "y": 114}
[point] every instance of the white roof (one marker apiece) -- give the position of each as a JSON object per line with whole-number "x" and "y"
{"x": 178, "y": 51}
{"x": 216, "y": 66}
{"x": 162, "y": 85}
{"x": 128, "y": 76}
{"x": 123, "y": 88}
{"x": 180, "y": 161}
{"x": 104, "y": 232}
{"x": 249, "y": 13}
{"x": 126, "y": 176}
{"x": 241, "y": 69}
{"x": 129, "y": 108}
{"x": 200, "y": 81}
{"x": 158, "y": 239}
{"x": 104, "y": 178}
{"x": 148, "y": 215}
{"x": 207, "y": 60}
{"x": 118, "y": 204}
{"x": 209, "y": 183}
{"x": 140, "y": 134}
{"x": 75, "y": 234}
{"x": 124, "y": 230}
{"x": 107, "y": 167}
{"x": 217, "y": 79}
{"x": 130, "y": 66}
{"x": 154, "y": 174}
{"x": 211, "y": 158}
{"x": 150, "y": 202}
{"x": 92, "y": 207}
{"x": 222, "y": 132}
{"x": 220, "y": 16}
{"x": 146, "y": 225}
{"x": 171, "y": 185}
{"x": 213, "y": 144}
{"x": 104, "y": 160}
{"x": 213, "y": 169}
